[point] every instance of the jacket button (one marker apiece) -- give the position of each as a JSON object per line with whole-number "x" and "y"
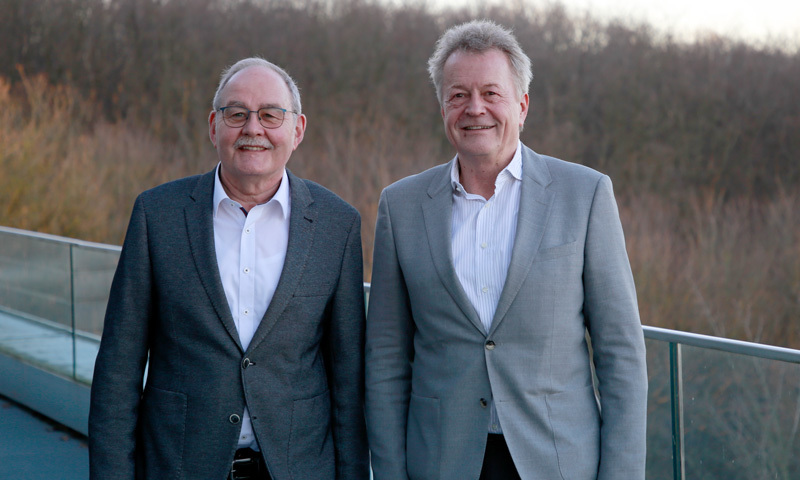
{"x": 484, "y": 403}
{"x": 234, "y": 419}
{"x": 490, "y": 345}
{"x": 246, "y": 363}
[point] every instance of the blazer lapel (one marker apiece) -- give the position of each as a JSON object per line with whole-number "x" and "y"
{"x": 438, "y": 212}
{"x": 534, "y": 211}
{"x": 301, "y": 237}
{"x": 200, "y": 226}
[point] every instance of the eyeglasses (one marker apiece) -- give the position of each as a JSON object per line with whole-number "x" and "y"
{"x": 268, "y": 117}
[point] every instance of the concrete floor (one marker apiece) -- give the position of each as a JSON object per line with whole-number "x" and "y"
{"x": 35, "y": 448}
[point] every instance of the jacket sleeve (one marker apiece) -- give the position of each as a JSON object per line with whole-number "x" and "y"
{"x": 390, "y": 333}
{"x": 345, "y": 355}
{"x": 121, "y": 360}
{"x": 612, "y": 318}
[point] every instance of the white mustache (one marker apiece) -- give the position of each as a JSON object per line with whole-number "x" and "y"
{"x": 253, "y": 142}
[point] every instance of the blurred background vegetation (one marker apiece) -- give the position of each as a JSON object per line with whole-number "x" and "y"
{"x": 101, "y": 99}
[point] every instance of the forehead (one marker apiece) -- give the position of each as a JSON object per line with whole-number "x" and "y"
{"x": 256, "y": 86}
{"x": 464, "y": 69}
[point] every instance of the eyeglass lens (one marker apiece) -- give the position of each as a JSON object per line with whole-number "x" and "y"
{"x": 270, "y": 117}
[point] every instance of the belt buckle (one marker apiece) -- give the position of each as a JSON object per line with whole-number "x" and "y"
{"x": 244, "y": 468}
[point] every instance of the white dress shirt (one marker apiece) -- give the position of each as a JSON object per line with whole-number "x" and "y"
{"x": 251, "y": 249}
{"x": 482, "y": 239}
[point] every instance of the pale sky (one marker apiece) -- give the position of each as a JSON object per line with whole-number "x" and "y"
{"x": 750, "y": 20}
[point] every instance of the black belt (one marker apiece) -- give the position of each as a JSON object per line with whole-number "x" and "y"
{"x": 248, "y": 465}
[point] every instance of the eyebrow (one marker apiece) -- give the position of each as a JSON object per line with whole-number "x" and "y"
{"x": 459, "y": 86}
{"x": 237, "y": 103}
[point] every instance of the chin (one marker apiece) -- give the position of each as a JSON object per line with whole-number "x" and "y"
{"x": 476, "y": 149}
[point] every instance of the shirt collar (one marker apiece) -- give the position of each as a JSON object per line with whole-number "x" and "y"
{"x": 281, "y": 196}
{"x": 514, "y": 168}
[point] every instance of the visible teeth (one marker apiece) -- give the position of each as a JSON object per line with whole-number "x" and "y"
{"x": 477, "y": 128}
{"x": 256, "y": 148}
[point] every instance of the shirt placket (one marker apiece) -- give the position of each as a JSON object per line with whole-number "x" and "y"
{"x": 247, "y": 256}
{"x": 483, "y": 256}
{"x": 487, "y": 258}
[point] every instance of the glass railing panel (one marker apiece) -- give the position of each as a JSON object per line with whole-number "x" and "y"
{"x": 742, "y": 415}
{"x": 35, "y": 277}
{"x": 36, "y": 301}
{"x": 659, "y": 418}
{"x": 92, "y": 272}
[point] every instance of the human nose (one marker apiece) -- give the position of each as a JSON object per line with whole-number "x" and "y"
{"x": 252, "y": 126}
{"x": 475, "y": 105}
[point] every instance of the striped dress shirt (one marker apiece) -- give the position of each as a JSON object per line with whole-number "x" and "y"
{"x": 482, "y": 239}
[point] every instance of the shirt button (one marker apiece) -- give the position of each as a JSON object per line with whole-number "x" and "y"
{"x": 485, "y": 289}
{"x": 246, "y": 230}
{"x": 246, "y": 312}
{"x": 490, "y": 345}
{"x": 246, "y": 270}
{"x": 484, "y": 245}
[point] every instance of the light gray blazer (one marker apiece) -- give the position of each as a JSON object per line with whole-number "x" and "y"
{"x": 431, "y": 366}
{"x": 301, "y": 376}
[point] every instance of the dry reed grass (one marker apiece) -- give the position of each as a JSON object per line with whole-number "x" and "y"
{"x": 730, "y": 269}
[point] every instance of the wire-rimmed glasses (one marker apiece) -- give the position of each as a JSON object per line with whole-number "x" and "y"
{"x": 269, "y": 117}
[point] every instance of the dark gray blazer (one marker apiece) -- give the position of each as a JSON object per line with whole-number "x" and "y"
{"x": 432, "y": 368}
{"x": 301, "y": 377}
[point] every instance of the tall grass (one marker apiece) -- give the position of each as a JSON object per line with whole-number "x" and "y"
{"x": 64, "y": 172}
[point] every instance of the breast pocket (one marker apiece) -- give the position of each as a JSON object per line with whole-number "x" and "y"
{"x": 563, "y": 250}
{"x": 314, "y": 290}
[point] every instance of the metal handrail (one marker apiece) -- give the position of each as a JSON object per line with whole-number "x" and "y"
{"x": 57, "y": 239}
{"x": 740, "y": 347}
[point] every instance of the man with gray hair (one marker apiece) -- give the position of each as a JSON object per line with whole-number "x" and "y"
{"x": 243, "y": 288}
{"x": 492, "y": 276}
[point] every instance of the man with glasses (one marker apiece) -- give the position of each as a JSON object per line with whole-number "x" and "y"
{"x": 243, "y": 289}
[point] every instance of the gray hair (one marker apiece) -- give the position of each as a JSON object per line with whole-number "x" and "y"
{"x": 479, "y": 36}
{"x": 237, "y": 67}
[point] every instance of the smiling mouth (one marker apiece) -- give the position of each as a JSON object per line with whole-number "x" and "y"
{"x": 479, "y": 127}
{"x": 252, "y": 148}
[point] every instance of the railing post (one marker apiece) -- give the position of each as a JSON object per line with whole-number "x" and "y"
{"x": 676, "y": 387}
{"x": 72, "y": 311}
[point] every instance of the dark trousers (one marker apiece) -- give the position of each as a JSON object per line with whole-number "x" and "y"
{"x": 497, "y": 462}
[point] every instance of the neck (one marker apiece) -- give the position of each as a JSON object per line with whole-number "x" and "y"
{"x": 250, "y": 193}
{"x": 478, "y": 175}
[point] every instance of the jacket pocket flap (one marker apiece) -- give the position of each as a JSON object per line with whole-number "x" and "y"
{"x": 557, "y": 251}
